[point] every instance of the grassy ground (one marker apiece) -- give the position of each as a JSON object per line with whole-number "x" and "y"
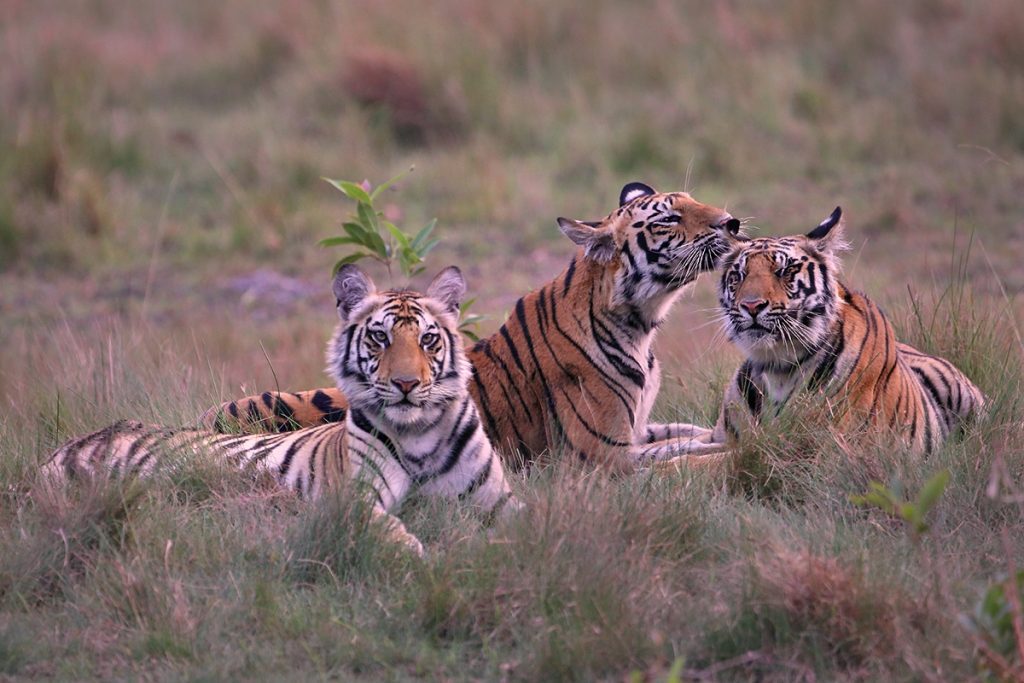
{"x": 160, "y": 204}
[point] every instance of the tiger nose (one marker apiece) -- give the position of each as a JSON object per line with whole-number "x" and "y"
{"x": 754, "y": 306}
{"x": 728, "y": 223}
{"x": 406, "y": 385}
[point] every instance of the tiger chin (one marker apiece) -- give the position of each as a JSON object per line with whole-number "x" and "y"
{"x": 803, "y": 330}
{"x": 411, "y": 425}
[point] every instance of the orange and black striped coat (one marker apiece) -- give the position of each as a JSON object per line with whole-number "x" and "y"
{"x": 572, "y": 369}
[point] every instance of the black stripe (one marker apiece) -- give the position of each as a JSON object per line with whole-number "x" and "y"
{"x": 503, "y": 330}
{"x": 458, "y": 445}
{"x": 751, "y": 394}
{"x": 612, "y": 384}
{"x": 567, "y": 281}
{"x": 607, "y": 344}
{"x": 615, "y": 387}
{"x": 360, "y": 420}
{"x": 604, "y": 438}
{"x": 481, "y": 477}
{"x": 548, "y": 396}
{"x": 484, "y": 403}
{"x": 498, "y": 505}
{"x": 366, "y": 459}
{"x": 255, "y": 416}
{"x": 511, "y": 383}
{"x": 289, "y": 454}
{"x": 330, "y": 412}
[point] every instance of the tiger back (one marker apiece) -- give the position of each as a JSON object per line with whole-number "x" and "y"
{"x": 411, "y": 426}
{"x": 572, "y": 369}
{"x": 802, "y": 329}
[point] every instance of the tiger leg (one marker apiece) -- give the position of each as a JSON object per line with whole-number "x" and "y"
{"x": 661, "y": 431}
{"x": 494, "y": 495}
{"x": 741, "y": 408}
{"x": 646, "y": 431}
{"x": 680, "y": 447}
{"x": 395, "y": 530}
{"x": 715, "y": 458}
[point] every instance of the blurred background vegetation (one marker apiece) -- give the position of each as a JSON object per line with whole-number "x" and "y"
{"x": 162, "y": 160}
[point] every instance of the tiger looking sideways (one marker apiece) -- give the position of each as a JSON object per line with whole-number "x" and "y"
{"x": 398, "y": 357}
{"x": 572, "y": 369}
{"x": 801, "y": 328}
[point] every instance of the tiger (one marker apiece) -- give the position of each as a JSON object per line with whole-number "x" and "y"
{"x": 571, "y": 370}
{"x": 802, "y": 329}
{"x": 410, "y": 424}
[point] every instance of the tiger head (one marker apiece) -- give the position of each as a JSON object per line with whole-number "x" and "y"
{"x": 779, "y": 295}
{"x": 653, "y": 244}
{"x": 399, "y": 353}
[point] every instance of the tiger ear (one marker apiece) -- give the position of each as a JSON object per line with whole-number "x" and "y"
{"x": 828, "y": 236}
{"x": 598, "y": 243}
{"x": 351, "y": 286}
{"x": 448, "y": 287}
{"x": 633, "y": 191}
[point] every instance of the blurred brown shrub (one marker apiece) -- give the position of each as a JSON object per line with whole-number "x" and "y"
{"x": 392, "y": 84}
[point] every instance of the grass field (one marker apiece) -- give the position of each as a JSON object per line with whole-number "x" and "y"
{"x": 160, "y": 205}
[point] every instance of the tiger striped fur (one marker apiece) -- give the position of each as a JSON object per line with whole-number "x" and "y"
{"x": 572, "y": 369}
{"x": 801, "y": 328}
{"x": 411, "y": 425}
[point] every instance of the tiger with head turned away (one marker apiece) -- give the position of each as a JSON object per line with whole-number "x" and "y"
{"x": 572, "y": 369}
{"x": 803, "y": 330}
{"x": 410, "y": 425}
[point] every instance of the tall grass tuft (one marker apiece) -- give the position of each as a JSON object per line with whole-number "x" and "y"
{"x": 57, "y": 536}
{"x": 338, "y": 539}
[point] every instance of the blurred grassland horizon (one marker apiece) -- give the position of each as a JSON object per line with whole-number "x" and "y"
{"x": 155, "y": 154}
{"x": 160, "y": 207}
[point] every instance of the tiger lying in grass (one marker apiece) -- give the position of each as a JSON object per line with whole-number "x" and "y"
{"x": 803, "y": 330}
{"x": 571, "y": 370}
{"x": 411, "y": 425}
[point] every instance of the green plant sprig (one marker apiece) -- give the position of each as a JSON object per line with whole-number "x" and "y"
{"x": 913, "y": 513}
{"x": 379, "y": 238}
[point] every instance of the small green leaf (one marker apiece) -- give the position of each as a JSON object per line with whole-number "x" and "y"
{"x": 377, "y": 244}
{"x": 335, "y": 241}
{"x": 400, "y": 237}
{"x": 675, "y": 673}
{"x": 351, "y": 190}
{"x": 367, "y": 216}
{"x": 424, "y": 233}
{"x": 427, "y": 248}
{"x": 356, "y": 232}
{"x": 388, "y": 183}
{"x": 932, "y": 491}
{"x": 909, "y": 512}
{"x": 351, "y": 258}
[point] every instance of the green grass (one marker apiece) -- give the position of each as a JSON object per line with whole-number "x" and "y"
{"x": 158, "y": 160}
{"x": 770, "y": 572}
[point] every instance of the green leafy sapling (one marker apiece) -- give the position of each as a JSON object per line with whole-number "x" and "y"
{"x": 913, "y": 513}
{"x": 376, "y": 237}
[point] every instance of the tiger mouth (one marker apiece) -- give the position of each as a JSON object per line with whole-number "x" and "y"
{"x": 404, "y": 402}
{"x": 757, "y": 330}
